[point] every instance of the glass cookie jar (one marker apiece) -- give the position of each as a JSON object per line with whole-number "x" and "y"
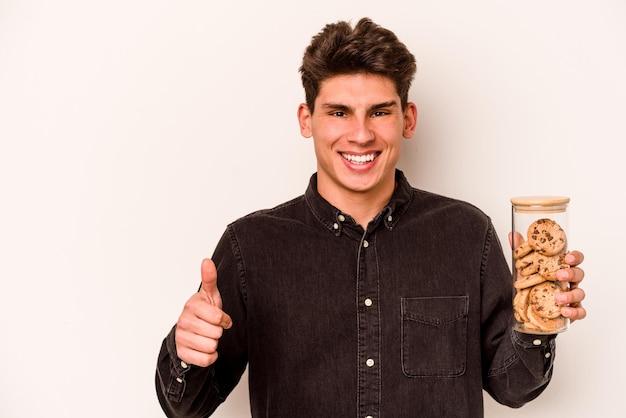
{"x": 539, "y": 231}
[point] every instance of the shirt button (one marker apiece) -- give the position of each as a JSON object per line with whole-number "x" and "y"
{"x": 341, "y": 218}
{"x": 369, "y": 362}
{"x": 179, "y": 380}
{"x": 548, "y": 355}
{"x": 537, "y": 342}
{"x": 389, "y": 218}
{"x": 335, "y": 225}
{"x": 183, "y": 364}
{"x": 369, "y": 416}
{"x": 366, "y": 244}
{"x": 368, "y": 302}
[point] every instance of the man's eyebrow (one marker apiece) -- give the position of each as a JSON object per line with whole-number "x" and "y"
{"x": 335, "y": 106}
{"x": 339, "y": 106}
{"x": 391, "y": 103}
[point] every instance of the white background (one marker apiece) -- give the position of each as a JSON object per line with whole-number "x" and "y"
{"x": 132, "y": 132}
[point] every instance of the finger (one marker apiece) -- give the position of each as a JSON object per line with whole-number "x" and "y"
{"x": 226, "y": 321}
{"x": 221, "y": 318}
{"x": 572, "y": 307}
{"x": 201, "y": 318}
{"x": 209, "y": 280}
{"x": 515, "y": 239}
{"x": 573, "y": 297}
{"x": 574, "y": 258}
{"x": 573, "y": 312}
{"x": 209, "y": 286}
{"x": 197, "y": 358}
{"x": 203, "y": 309}
{"x": 191, "y": 341}
{"x": 571, "y": 274}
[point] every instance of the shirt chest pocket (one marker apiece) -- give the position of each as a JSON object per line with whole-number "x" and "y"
{"x": 434, "y": 331}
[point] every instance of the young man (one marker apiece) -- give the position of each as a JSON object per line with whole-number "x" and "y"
{"x": 364, "y": 297}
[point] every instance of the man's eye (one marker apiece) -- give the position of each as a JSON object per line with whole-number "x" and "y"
{"x": 339, "y": 114}
{"x": 380, "y": 113}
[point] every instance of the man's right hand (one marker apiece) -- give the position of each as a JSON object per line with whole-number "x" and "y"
{"x": 202, "y": 321}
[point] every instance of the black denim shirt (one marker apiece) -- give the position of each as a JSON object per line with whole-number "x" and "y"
{"x": 409, "y": 318}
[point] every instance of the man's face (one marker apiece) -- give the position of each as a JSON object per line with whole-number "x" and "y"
{"x": 357, "y": 128}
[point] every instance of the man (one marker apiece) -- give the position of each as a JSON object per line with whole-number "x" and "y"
{"x": 364, "y": 297}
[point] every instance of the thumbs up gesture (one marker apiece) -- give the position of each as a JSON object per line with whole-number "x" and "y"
{"x": 202, "y": 322}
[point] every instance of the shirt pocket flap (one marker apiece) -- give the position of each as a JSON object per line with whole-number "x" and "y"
{"x": 435, "y": 310}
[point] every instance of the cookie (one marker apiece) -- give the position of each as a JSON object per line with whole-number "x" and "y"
{"x": 546, "y": 237}
{"x": 544, "y": 324}
{"x": 529, "y": 270}
{"x": 522, "y": 250}
{"x": 548, "y": 265}
{"x": 520, "y": 305}
{"x": 541, "y": 300}
{"x": 528, "y": 281}
{"x": 523, "y": 262}
{"x": 529, "y": 327}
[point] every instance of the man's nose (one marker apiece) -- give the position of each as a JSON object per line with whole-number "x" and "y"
{"x": 362, "y": 132}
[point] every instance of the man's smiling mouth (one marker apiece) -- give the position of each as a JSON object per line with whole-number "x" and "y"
{"x": 360, "y": 159}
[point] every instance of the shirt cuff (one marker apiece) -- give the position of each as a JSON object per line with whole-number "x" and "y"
{"x": 533, "y": 341}
{"x": 179, "y": 366}
{"x": 536, "y": 352}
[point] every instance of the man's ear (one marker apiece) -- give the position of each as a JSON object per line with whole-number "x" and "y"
{"x": 304, "y": 119}
{"x": 410, "y": 120}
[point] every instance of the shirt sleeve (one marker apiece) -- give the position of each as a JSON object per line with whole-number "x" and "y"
{"x": 517, "y": 367}
{"x": 190, "y": 391}
{"x": 184, "y": 390}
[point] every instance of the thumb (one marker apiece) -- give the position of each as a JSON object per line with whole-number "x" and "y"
{"x": 515, "y": 239}
{"x": 209, "y": 282}
{"x": 209, "y": 287}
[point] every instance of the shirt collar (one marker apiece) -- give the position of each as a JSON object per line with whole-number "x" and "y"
{"x": 335, "y": 220}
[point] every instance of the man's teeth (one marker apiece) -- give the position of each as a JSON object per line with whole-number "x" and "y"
{"x": 359, "y": 159}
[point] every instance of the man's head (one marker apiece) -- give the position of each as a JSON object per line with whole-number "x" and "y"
{"x": 367, "y": 48}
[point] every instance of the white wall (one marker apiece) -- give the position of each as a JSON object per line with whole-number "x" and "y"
{"x": 127, "y": 128}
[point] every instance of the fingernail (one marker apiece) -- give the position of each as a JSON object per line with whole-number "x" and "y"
{"x": 561, "y": 275}
{"x": 229, "y": 323}
{"x": 569, "y": 258}
{"x": 559, "y": 298}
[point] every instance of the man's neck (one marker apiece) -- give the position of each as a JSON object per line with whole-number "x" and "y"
{"x": 362, "y": 207}
{"x": 363, "y": 215}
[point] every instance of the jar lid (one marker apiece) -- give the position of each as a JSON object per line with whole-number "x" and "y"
{"x": 540, "y": 203}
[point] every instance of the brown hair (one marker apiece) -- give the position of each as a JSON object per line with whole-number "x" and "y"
{"x": 367, "y": 48}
